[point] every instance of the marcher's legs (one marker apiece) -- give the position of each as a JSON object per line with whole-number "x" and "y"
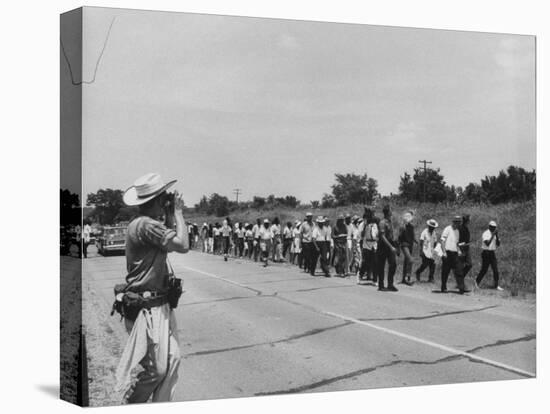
{"x": 449, "y": 263}
{"x": 485, "y": 263}
{"x": 371, "y": 265}
{"x": 348, "y": 256}
{"x": 407, "y": 264}
{"x": 382, "y": 256}
{"x": 314, "y": 256}
{"x": 494, "y": 268}
{"x": 306, "y": 253}
{"x": 324, "y": 246}
{"x": 392, "y": 266}
{"x": 423, "y": 266}
{"x": 340, "y": 259}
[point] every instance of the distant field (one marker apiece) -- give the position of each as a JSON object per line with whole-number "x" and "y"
{"x": 517, "y": 229}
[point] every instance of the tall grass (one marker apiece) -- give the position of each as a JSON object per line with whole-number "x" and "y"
{"x": 516, "y": 224}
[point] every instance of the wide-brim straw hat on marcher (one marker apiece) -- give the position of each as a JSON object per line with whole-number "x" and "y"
{"x": 146, "y": 188}
{"x": 320, "y": 219}
{"x": 432, "y": 223}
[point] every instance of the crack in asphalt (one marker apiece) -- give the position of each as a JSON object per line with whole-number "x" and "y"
{"x": 290, "y": 338}
{"x": 256, "y": 296}
{"x": 363, "y": 371}
{"x": 280, "y": 280}
{"x": 435, "y": 315}
{"x": 316, "y": 288}
{"x": 327, "y": 381}
{"x": 502, "y": 342}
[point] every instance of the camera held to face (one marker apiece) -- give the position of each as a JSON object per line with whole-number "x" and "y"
{"x": 169, "y": 204}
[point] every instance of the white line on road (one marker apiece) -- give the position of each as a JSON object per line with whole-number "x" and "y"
{"x": 389, "y": 331}
{"x": 432, "y": 344}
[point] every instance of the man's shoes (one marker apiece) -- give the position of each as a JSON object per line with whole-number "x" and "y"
{"x": 327, "y": 274}
{"x": 225, "y": 259}
{"x": 499, "y": 288}
{"x": 382, "y": 289}
{"x": 463, "y": 291}
{"x": 392, "y": 289}
{"x": 444, "y": 290}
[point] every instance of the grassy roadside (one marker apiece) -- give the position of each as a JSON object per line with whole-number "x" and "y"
{"x": 517, "y": 229}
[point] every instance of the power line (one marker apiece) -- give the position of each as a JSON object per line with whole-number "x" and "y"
{"x": 237, "y": 191}
{"x": 425, "y": 162}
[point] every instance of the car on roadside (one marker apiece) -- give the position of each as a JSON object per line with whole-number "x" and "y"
{"x": 111, "y": 239}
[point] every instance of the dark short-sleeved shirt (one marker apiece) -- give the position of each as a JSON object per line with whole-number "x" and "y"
{"x": 147, "y": 255}
{"x": 386, "y": 229}
{"x": 464, "y": 235}
{"x": 406, "y": 236}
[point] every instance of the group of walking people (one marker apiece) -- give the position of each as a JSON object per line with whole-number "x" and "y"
{"x": 366, "y": 247}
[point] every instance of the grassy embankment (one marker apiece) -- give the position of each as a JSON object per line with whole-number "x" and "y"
{"x": 517, "y": 229}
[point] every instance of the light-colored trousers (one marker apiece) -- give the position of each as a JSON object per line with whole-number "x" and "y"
{"x": 153, "y": 345}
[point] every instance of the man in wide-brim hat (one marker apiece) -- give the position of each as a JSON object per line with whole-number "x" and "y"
{"x": 150, "y": 276}
{"x": 428, "y": 242}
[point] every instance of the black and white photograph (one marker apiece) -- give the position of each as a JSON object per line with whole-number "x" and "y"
{"x": 256, "y": 206}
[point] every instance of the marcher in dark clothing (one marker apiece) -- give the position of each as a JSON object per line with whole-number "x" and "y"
{"x": 306, "y": 234}
{"x": 369, "y": 246}
{"x": 387, "y": 252}
{"x": 287, "y": 238}
{"x": 339, "y": 235}
{"x": 464, "y": 257}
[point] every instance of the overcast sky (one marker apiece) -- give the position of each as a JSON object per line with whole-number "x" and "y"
{"x": 278, "y": 106}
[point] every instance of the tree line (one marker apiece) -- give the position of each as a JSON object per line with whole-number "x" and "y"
{"x": 515, "y": 184}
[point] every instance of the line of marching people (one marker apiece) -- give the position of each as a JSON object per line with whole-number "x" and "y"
{"x": 367, "y": 248}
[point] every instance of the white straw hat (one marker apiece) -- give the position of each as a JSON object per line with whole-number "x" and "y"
{"x": 145, "y": 188}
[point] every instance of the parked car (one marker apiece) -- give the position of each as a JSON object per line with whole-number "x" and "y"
{"x": 112, "y": 239}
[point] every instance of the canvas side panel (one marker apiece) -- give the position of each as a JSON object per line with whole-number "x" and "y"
{"x": 73, "y": 384}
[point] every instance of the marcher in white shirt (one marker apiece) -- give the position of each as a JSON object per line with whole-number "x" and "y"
{"x": 490, "y": 243}
{"x": 320, "y": 245}
{"x": 449, "y": 242}
{"x": 276, "y": 251}
{"x": 296, "y": 248}
{"x": 428, "y": 241}
{"x": 266, "y": 239}
{"x": 355, "y": 265}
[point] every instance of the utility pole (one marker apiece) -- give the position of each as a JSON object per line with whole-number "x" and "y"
{"x": 237, "y": 191}
{"x": 425, "y": 162}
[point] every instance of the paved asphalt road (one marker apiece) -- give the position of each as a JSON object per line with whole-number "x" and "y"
{"x": 246, "y": 330}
